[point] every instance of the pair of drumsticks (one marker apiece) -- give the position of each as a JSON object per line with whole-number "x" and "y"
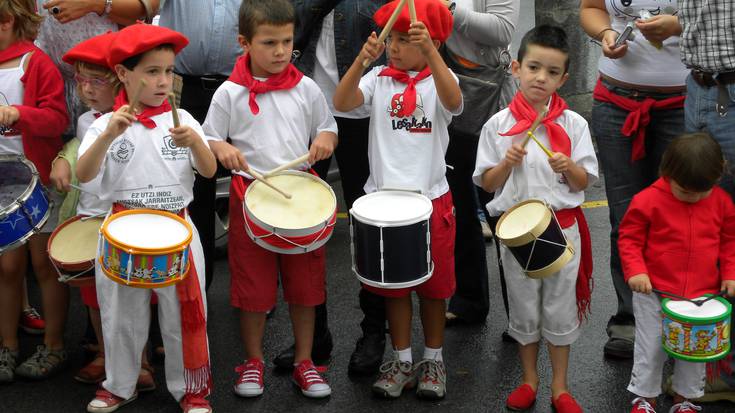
{"x": 392, "y": 20}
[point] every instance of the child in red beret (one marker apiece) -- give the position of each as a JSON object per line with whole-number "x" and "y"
{"x": 32, "y": 118}
{"x": 129, "y": 151}
{"x": 412, "y": 101}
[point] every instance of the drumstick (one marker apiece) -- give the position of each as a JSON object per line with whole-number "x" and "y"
{"x": 388, "y": 26}
{"x": 412, "y": 11}
{"x": 174, "y": 111}
{"x": 700, "y": 302}
{"x": 299, "y": 160}
{"x": 133, "y": 102}
{"x": 535, "y": 124}
{"x": 260, "y": 178}
{"x": 673, "y": 295}
{"x": 543, "y": 148}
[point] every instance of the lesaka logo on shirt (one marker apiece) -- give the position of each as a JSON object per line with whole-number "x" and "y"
{"x": 171, "y": 152}
{"x": 122, "y": 150}
{"x": 408, "y": 121}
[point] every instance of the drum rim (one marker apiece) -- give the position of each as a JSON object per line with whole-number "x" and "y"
{"x": 4, "y": 212}
{"x": 291, "y": 232}
{"x": 379, "y": 223}
{"x": 36, "y": 229}
{"x": 679, "y": 317}
{"x": 394, "y": 286}
{"x": 532, "y": 233}
{"x": 74, "y": 265}
{"x": 141, "y": 250}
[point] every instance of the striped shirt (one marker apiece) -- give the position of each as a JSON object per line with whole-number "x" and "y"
{"x": 708, "y": 37}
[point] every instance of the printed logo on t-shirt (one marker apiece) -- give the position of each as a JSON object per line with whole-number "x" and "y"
{"x": 122, "y": 150}
{"x": 171, "y": 152}
{"x": 631, "y": 9}
{"x": 408, "y": 121}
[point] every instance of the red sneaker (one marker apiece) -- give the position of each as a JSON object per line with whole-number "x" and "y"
{"x": 685, "y": 407}
{"x": 250, "y": 381}
{"x": 106, "y": 402}
{"x": 194, "y": 404}
{"x": 522, "y": 398}
{"x": 31, "y": 322}
{"x": 641, "y": 405}
{"x": 312, "y": 384}
{"x": 565, "y": 404}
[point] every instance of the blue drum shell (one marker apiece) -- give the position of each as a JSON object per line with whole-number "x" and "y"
{"x": 20, "y": 224}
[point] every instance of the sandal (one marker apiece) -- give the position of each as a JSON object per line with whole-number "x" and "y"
{"x": 92, "y": 373}
{"x": 43, "y": 364}
{"x": 145, "y": 382}
{"x": 8, "y": 360}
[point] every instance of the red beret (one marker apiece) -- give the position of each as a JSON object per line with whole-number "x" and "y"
{"x": 140, "y": 38}
{"x": 433, "y": 13}
{"x": 93, "y": 50}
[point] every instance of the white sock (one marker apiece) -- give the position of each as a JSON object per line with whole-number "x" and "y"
{"x": 404, "y": 355}
{"x": 433, "y": 354}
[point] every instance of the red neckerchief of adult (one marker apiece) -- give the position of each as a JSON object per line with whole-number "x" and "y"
{"x": 16, "y": 50}
{"x": 145, "y": 116}
{"x": 525, "y": 114}
{"x": 241, "y": 74}
{"x": 409, "y": 94}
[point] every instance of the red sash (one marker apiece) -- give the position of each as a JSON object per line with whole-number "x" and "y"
{"x": 585, "y": 283}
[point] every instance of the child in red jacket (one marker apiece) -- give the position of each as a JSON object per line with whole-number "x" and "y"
{"x": 678, "y": 236}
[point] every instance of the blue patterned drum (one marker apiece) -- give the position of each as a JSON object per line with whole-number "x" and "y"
{"x": 24, "y": 205}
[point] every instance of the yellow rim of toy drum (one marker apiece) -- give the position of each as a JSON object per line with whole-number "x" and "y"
{"x": 532, "y": 233}
{"x": 133, "y": 249}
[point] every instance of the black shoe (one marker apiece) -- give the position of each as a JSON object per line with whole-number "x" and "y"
{"x": 368, "y": 354}
{"x": 320, "y": 352}
{"x": 618, "y": 348}
{"x": 507, "y": 338}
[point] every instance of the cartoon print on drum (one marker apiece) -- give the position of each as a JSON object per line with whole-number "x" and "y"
{"x": 145, "y": 270}
{"x": 696, "y": 341}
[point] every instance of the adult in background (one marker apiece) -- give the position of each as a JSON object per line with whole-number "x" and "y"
{"x": 637, "y": 111}
{"x": 329, "y": 36}
{"x": 477, "y": 48}
{"x": 204, "y": 65}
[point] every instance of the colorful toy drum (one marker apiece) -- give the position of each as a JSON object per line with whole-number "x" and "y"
{"x": 391, "y": 239}
{"x": 24, "y": 205}
{"x": 533, "y": 235}
{"x": 72, "y": 248}
{"x": 145, "y": 248}
{"x": 696, "y": 333}
{"x": 290, "y": 226}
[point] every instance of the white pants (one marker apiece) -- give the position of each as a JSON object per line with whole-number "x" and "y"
{"x": 649, "y": 355}
{"x": 126, "y": 316}
{"x": 545, "y": 307}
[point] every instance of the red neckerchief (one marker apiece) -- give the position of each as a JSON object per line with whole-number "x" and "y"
{"x": 242, "y": 75}
{"x": 639, "y": 115}
{"x": 525, "y": 114}
{"x": 567, "y": 218}
{"x": 143, "y": 117}
{"x": 409, "y": 94}
{"x": 16, "y": 49}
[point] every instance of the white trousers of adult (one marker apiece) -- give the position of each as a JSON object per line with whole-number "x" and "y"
{"x": 126, "y": 316}
{"x": 649, "y": 356}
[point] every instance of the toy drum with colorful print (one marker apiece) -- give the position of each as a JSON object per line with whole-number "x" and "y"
{"x": 145, "y": 248}
{"x": 24, "y": 205}
{"x": 696, "y": 333}
{"x": 290, "y": 226}
{"x": 72, "y": 248}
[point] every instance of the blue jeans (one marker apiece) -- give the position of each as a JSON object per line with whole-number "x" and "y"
{"x": 701, "y": 116}
{"x": 624, "y": 178}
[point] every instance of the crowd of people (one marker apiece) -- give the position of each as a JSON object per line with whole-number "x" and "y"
{"x": 88, "y": 101}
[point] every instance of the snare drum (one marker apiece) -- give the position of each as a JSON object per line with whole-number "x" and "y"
{"x": 145, "y": 248}
{"x": 696, "y": 333}
{"x": 391, "y": 240}
{"x": 24, "y": 204}
{"x": 290, "y": 226}
{"x": 72, "y": 248}
{"x": 533, "y": 235}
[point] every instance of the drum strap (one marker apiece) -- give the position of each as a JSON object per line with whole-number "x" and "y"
{"x": 585, "y": 283}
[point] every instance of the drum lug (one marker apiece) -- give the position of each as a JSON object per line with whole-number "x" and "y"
{"x": 382, "y": 255}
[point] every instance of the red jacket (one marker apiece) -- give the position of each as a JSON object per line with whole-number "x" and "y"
{"x": 43, "y": 116}
{"x": 686, "y": 249}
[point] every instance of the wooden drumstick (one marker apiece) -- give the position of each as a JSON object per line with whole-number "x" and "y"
{"x": 259, "y": 177}
{"x": 388, "y": 26}
{"x": 541, "y": 145}
{"x": 174, "y": 110}
{"x": 412, "y": 11}
{"x": 299, "y": 160}
{"x": 133, "y": 102}
{"x": 535, "y": 124}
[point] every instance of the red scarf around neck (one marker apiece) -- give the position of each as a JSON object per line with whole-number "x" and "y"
{"x": 16, "y": 50}
{"x": 242, "y": 75}
{"x": 525, "y": 114}
{"x": 143, "y": 117}
{"x": 409, "y": 94}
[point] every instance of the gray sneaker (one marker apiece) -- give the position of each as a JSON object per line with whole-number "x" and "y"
{"x": 432, "y": 378}
{"x": 42, "y": 364}
{"x": 395, "y": 375}
{"x": 8, "y": 359}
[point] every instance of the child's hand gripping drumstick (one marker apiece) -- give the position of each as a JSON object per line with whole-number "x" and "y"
{"x": 174, "y": 110}
{"x": 301, "y": 159}
{"x": 388, "y": 26}
{"x": 259, "y": 177}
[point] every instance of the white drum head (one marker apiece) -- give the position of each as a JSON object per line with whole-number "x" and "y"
{"x": 312, "y": 202}
{"x": 392, "y": 208}
{"x": 521, "y": 220}
{"x": 77, "y": 241}
{"x": 711, "y": 308}
{"x": 148, "y": 231}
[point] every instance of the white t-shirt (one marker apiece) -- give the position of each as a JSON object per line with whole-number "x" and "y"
{"x": 89, "y": 204}
{"x": 143, "y": 168}
{"x": 406, "y": 151}
{"x": 281, "y": 132}
{"x": 11, "y": 93}
{"x": 643, "y": 64}
{"x": 534, "y": 177}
